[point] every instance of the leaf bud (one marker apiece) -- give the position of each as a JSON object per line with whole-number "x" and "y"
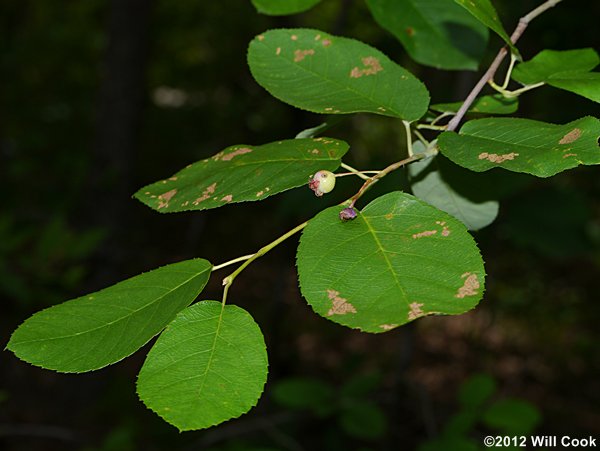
{"x": 348, "y": 214}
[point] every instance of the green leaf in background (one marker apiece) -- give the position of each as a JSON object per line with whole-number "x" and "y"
{"x": 512, "y": 416}
{"x": 327, "y": 74}
{"x": 360, "y": 385}
{"x": 476, "y": 390}
{"x": 207, "y": 367}
{"x": 304, "y": 393}
{"x": 485, "y": 12}
{"x": 283, "y": 7}
{"x": 428, "y": 184}
{"x": 450, "y": 444}
{"x": 564, "y": 235}
{"x": 363, "y": 419}
{"x": 101, "y": 328}
{"x": 439, "y": 33}
{"x": 400, "y": 259}
{"x": 523, "y": 145}
{"x": 566, "y": 69}
{"x": 243, "y": 173}
{"x": 494, "y": 104}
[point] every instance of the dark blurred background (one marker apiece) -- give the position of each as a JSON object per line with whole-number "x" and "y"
{"x": 99, "y": 98}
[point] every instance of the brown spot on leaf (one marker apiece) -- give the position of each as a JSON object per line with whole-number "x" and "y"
{"x": 470, "y": 286}
{"x": 573, "y": 135}
{"x": 410, "y": 31}
{"x": 424, "y": 234}
{"x": 326, "y": 42}
{"x": 278, "y": 51}
{"x": 415, "y": 311}
{"x": 340, "y": 306}
{"x": 227, "y": 198}
{"x": 382, "y": 109}
{"x": 260, "y": 193}
{"x": 315, "y": 151}
{"x": 206, "y": 194}
{"x": 260, "y": 37}
{"x": 569, "y": 155}
{"x": 294, "y": 37}
{"x": 165, "y": 198}
{"x": 299, "y": 55}
{"x": 495, "y": 158}
{"x": 388, "y": 326}
{"x": 372, "y": 66}
{"x": 235, "y": 153}
{"x": 317, "y": 37}
{"x": 445, "y": 229}
{"x": 389, "y": 216}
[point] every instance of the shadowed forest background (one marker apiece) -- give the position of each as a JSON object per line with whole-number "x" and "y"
{"x": 99, "y": 98}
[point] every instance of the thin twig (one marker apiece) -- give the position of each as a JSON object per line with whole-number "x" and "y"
{"x": 488, "y": 75}
{"x": 384, "y": 172}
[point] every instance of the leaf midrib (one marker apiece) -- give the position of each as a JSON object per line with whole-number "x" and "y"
{"x": 385, "y": 256}
{"x": 133, "y": 312}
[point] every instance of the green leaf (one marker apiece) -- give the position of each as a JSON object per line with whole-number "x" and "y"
{"x": 494, "y": 104}
{"x": 363, "y": 419}
{"x": 550, "y": 63}
{"x": 485, "y": 12}
{"x": 207, "y": 367}
{"x": 584, "y": 84}
{"x": 428, "y": 184}
{"x": 104, "y": 327}
{"x": 439, "y": 34}
{"x": 318, "y": 72}
{"x": 523, "y": 145}
{"x": 243, "y": 173}
{"x": 567, "y": 69}
{"x": 512, "y": 416}
{"x": 283, "y": 7}
{"x": 400, "y": 259}
{"x": 304, "y": 393}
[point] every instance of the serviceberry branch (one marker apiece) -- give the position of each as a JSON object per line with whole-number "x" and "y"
{"x": 386, "y": 171}
{"x": 489, "y": 74}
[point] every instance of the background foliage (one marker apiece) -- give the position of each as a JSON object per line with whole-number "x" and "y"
{"x": 68, "y": 226}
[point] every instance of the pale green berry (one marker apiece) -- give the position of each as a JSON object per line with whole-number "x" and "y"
{"x": 322, "y": 182}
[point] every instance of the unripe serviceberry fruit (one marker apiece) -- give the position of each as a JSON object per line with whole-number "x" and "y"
{"x": 322, "y": 182}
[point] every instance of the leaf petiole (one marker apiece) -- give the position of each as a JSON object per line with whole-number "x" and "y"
{"x": 228, "y": 281}
{"x": 354, "y": 171}
{"x": 409, "y": 147}
{"x": 231, "y": 262}
{"x": 517, "y": 92}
